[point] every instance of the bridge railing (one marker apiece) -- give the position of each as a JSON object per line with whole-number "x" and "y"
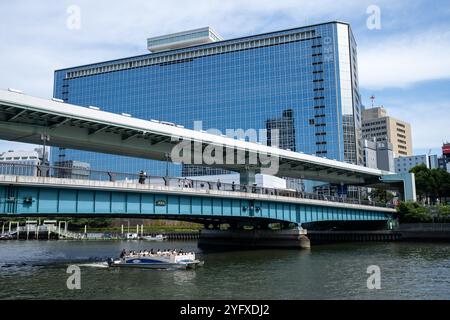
{"x": 80, "y": 173}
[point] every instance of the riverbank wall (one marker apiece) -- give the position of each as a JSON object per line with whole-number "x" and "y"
{"x": 438, "y": 232}
{"x": 32, "y": 235}
{"x": 254, "y": 239}
{"x": 404, "y": 232}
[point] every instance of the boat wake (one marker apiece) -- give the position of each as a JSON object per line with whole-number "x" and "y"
{"x": 94, "y": 265}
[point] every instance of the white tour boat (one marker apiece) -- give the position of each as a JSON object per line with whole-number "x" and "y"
{"x": 159, "y": 260}
{"x": 158, "y": 237}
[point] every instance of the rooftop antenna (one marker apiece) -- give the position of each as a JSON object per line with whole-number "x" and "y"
{"x": 373, "y": 100}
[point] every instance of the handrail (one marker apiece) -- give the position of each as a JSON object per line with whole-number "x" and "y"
{"x": 79, "y": 173}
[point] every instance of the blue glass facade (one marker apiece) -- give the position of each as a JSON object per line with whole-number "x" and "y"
{"x": 309, "y": 72}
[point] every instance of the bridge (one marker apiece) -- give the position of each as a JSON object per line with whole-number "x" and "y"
{"x": 169, "y": 198}
{"x": 27, "y": 119}
{"x": 106, "y": 194}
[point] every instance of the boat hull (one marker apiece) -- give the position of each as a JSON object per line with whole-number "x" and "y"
{"x": 155, "y": 265}
{"x": 145, "y": 265}
{"x": 156, "y": 238}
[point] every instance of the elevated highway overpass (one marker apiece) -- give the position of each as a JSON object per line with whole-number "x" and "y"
{"x": 27, "y": 119}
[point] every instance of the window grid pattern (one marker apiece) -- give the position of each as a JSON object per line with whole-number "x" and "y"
{"x": 234, "y": 89}
{"x": 218, "y": 49}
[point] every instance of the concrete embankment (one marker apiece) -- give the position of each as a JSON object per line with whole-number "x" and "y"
{"x": 425, "y": 231}
{"x": 322, "y": 237}
{"x": 405, "y": 232}
{"x": 291, "y": 238}
{"x": 55, "y": 235}
{"x": 253, "y": 239}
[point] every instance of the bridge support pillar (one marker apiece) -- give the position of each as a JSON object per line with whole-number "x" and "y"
{"x": 409, "y": 184}
{"x": 247, "y": 177}
{"x": 254, "y": 239}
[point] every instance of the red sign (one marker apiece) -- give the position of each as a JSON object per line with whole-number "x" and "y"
{"x": 446, "y": 149}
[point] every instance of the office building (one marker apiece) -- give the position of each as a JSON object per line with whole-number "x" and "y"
{"x": 446, "y": 152}
{"x": 70, "y": 169}
{"x": 370, "y": 153}
{"x": 377, "y": 124}
{"x": 378, "y": 155}
{"x": 281, "y": 131}
{"x": 385, "y": 156}
{"x": 302, "y": 81}
{"x": 20, "y": 162}
{"x": 433, "y": 161}
{"x": 444, "y": 161}
{"x": 404, "y": 164}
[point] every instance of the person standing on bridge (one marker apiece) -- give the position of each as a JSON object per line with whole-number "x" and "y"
{"x": 233, "y": 186}
{"x": 142, "y": 177}
{"x": 219, "y": 184}
{"x": 111, "y": 176}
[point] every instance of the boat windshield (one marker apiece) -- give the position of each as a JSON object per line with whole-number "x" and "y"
{"x": 156, "y": 253}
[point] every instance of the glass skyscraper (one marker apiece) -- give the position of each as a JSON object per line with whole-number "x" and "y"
{"x": 304, "y": 78}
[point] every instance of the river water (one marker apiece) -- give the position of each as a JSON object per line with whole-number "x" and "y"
{"x": 37, "y": 270}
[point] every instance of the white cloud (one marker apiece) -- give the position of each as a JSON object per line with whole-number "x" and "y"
{"x": 8, "y": 145}
{"x": 403, "y": 60}
{"x": 429, "y": 122}
{"x": 37, "y": 40}
{"x": 34, "y": 41}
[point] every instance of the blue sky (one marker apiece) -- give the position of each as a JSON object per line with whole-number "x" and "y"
{"x": 405, "y": 63}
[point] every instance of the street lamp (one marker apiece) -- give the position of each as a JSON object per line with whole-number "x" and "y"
{"x": 44, "y": 138}
{"x": 167, "y": 155}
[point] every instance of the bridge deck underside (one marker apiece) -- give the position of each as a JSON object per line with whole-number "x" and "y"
{"x": 25, "y": 124}
{"x": 46, "y": 201}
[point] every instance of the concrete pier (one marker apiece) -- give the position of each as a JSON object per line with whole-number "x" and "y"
{"x": 289, "y": 239}
{"x": 324, "y": 237}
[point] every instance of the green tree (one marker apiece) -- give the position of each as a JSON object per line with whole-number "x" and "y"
{"x": 424, "y": 181}
{"x": 380, "y": 195}
{"x": 443, "y": 213}
{"x": 431, "y": 184}
{"x": 441, "y": 184}
{"x": 412, "y": 212}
